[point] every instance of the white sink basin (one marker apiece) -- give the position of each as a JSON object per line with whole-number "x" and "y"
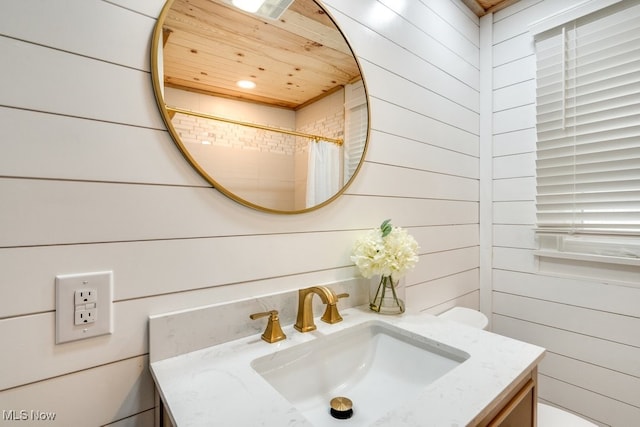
{"x": 376, "y": 365}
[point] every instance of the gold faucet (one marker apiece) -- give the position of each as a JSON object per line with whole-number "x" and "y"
{"x": 304, "y": 322}
{"x": 273, "y": 332}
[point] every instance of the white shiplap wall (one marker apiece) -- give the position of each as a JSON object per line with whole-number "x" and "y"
{"x": 90, "y": 181}
{"x": 589, "y": 326}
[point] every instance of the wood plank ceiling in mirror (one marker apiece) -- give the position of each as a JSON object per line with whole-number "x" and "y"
{"x": 210, "y": 45}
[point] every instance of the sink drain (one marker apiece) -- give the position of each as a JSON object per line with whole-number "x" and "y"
{"x": 341, "y": 408}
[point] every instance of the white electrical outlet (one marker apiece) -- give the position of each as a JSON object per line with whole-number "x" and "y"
{"x": 85, "y": 295}
{"x": 83, "y": 305}
{"x": 84, "y": 316}
{"x": 85, "y": 301}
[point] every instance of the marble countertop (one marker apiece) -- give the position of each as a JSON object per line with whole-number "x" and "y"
{"x": 218, "y": 386}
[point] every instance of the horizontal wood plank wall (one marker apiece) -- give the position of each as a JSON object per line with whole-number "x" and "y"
{"x": 90, "y": 180}
{"x": 589, "y": 327}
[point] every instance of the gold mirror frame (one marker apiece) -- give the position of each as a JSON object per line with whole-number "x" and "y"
{"x": 167, "y": 113}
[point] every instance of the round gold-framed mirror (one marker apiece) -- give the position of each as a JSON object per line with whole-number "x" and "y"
{"x": 267, "y": 104}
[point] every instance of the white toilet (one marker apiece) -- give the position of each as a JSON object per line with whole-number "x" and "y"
{"x": 467, "y": 316}
{"x": 548, "y": 416}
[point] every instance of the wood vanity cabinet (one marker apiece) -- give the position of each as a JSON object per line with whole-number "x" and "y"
{"x": 515, "y": 407}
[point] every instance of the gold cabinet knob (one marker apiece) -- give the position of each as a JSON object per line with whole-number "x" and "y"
{"x": 273, "y": 332}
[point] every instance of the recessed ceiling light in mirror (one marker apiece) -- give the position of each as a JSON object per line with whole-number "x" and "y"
{"x": 250, "y": 6}
{"x": 269, "y": 9}
{"x": 246, "y": 84}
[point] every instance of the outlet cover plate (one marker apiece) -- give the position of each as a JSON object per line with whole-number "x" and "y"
{"x": 66, "y": 288}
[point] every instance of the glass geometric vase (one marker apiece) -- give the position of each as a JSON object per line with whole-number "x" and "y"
{"x": 386, "y": 296}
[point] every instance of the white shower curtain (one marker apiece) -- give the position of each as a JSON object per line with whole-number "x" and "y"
{"x": 323, "y": 174}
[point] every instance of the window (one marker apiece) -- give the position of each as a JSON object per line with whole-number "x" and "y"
{"x": 588, "y": 133}
{"x": 356, "y": 118}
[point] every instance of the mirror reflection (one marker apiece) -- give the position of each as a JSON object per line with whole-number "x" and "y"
{"x": 263, "y": 97}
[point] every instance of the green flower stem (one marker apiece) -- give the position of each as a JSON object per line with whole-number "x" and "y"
{"x": 372, "y": 305}
{"x": 393, "y": 289}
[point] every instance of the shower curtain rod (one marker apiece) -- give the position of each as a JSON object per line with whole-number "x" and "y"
{"x": 316, "y": 138}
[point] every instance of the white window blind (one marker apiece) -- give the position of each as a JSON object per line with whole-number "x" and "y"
{"x": 588, "y": 124}
{"x": 356, "y": 125}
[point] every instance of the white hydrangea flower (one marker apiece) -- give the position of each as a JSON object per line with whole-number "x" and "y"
{"x": 392, "y": 255}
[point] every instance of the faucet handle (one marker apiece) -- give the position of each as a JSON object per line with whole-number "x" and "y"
{"x": 331, "y": 314}
{"x": 273, "y": 332}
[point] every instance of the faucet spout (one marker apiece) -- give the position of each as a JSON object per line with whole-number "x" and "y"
{"x": 304, "y": 321}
